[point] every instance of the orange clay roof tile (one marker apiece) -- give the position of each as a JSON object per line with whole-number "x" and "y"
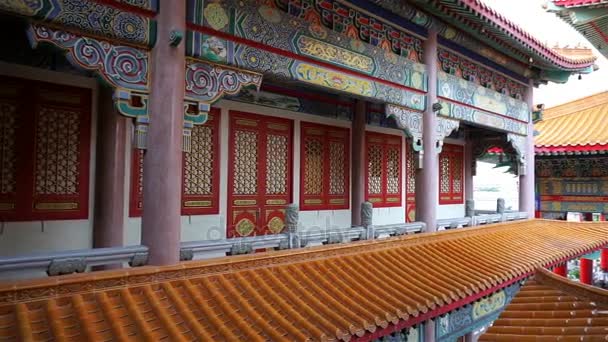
{"x": 339, "y": 292}
{"x": 552, "y": 308}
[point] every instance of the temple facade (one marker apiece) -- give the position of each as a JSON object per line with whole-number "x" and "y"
{"x": 204, "y": 121}
{"x": 146, "y": 132}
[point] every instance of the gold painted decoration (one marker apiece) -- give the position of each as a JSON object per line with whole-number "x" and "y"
{"x": 489, "y": 305}
{"x": 276, "y": 225}
{"x": 197, "y": 204}
{"x": 315, "y": 48}
{"x": 374, "y": 169}
{"x": 332, "y": 79}
{"x": 243, "y": 203}
{"x": 244, "y": 227}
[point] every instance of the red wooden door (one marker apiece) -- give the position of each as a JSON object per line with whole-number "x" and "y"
{"x": 260, "y": 172}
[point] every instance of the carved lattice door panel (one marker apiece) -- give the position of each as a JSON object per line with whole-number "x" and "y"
{"x": 410, "y": 183}
{"x": 44, "y": 150}
{"x": 259, "y": 182}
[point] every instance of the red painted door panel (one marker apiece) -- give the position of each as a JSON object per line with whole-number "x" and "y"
{"x": 259, "y": 174}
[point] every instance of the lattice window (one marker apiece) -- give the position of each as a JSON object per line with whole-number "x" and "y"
{"x": 313, "y": 169}
{"x": 451, "y": 182}
{"x": 200, "y": 181}
{"x": 393, "y": 171}
{"x": 410, "y": 183}
{"x": 277, "y": 154}
{"x": 45, "y": 176}
{"x": 383, "y": 171}
{"x": 8, "y": 155}
{"x": 337, "y": 168}
{"x": 198, "y": 163}
{"x": 325, "y": 167}
{"x": 374, "y": 169}
{"x": 245, "y": 162}
{"x": 201, "y": 169}
{"x": 57, "y": 151}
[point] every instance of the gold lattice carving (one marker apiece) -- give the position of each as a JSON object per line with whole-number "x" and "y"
{"x": 457, "y": 184}
{"x": 392, "y": 171}
{"x": 245, "y": 163}
{"x": 444, "y": 182}
{"x": 244, "y": 227}
{"x": 57, "y": 151}
{"x": 374, "y": 169}
{"x": 276, "y": 165}
{"x": 276, "y": 225}
{"x": 8, "y": 165}
{"x": 411, "y": 172}
{"x": 313, "y": 170}
{"x": 337, "y": 157}
{"x": 198, "y": 163}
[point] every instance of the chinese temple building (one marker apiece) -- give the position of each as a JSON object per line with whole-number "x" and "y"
{"x": 571, "y": 161}
{"x": 143, "y": 134}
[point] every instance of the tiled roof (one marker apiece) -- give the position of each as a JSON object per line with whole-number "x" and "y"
{"x": 552, "y": 308}
{"x": 574, "y": 127}
{"x": 490, "y": 26}
{"x": 360, "y": 290}
{"x": 594, "y": 29}
{"x": 578, "y": 3}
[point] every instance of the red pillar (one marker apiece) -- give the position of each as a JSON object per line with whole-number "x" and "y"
{"x": 586, "y": 271}
{"x": 358, "y": 160}
{"x": 604, "y": 259}
{"x": 161, "y": 221}
{"x": 108, "y": 229}
{"x": 427, "y": 178}
{"x": 561, "y": 270}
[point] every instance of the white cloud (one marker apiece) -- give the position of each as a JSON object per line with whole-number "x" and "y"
{"x": 548, "y": 28}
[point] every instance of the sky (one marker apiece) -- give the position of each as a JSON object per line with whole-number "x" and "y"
{"x": 548, "y": 28}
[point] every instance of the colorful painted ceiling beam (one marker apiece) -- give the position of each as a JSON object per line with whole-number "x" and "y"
{"x": 358, "y": 291}
{"x": 128, "y": 21}
{"x": 576, "y": 127}
{"x": 589, "y": 17}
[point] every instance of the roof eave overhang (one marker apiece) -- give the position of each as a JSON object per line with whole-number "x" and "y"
{"x": 502, "y": 34}
{"x": 585, "y": 19}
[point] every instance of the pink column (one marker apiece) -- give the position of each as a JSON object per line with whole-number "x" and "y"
{"x": 561, "y": 269}
{"x": 526, "y": 182}
{"x": 586, "y": 271}
{"x": 161, "y": 224}
{"x": 427, "y": 178}
{"x": 604, "y": 259}
{"x": 108, "y": 229}
{"x": 358, "y": 162}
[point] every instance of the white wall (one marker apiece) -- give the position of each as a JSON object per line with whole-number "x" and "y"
{"x": 40, "y": 236}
